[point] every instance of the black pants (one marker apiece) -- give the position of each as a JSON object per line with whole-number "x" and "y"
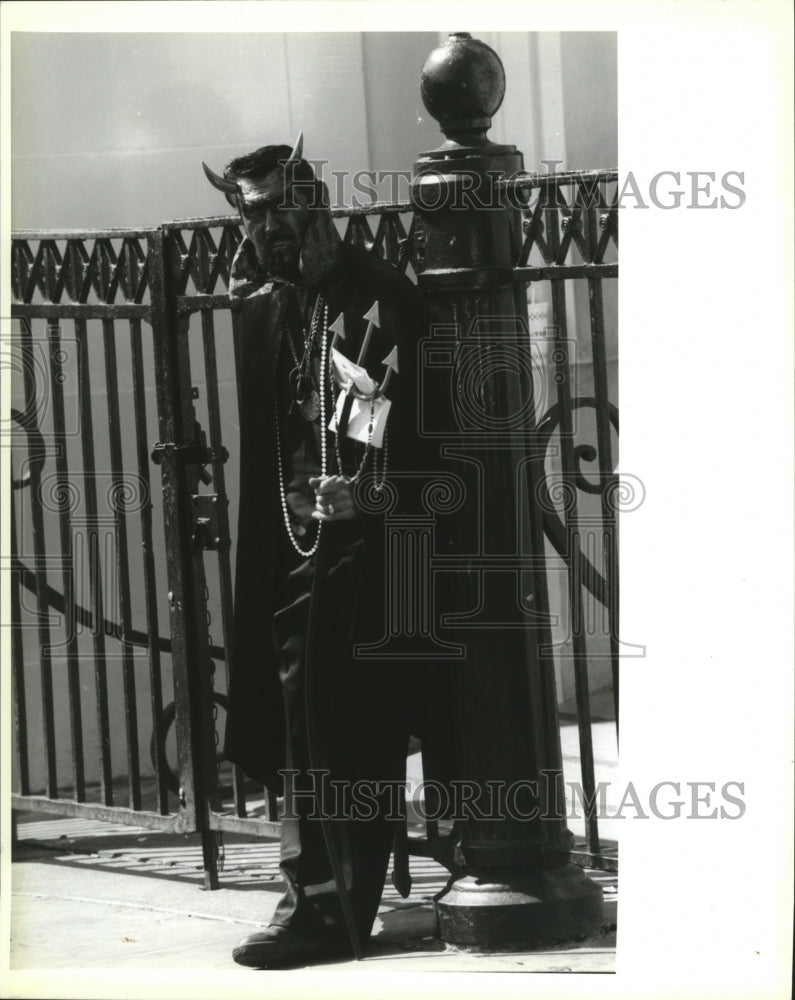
{"x": 363, "y": 723}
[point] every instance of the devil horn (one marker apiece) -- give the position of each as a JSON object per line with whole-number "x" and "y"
{"x": 228, "y": 187}
{"x": 298, "y": 149}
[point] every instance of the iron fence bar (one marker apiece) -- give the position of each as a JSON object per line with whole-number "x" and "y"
{"x": 192, "y": 690}
{"x": 541, "y": 678}
{"x": 200, "y": 302}
{"x": 222, "y": 515}
{"x": 200, "y": 694}
{"x": 103, "y": 813}
{"x": 608, "y": 479}
{"x": 150, "y": 581}
{"x": 270, "y": 798}
{"x": 18, "y": 664}
{"x": 39, "y": 555}
{"x": 461, "y": 278}
{"x": 557, "y": 271}
{"x": 122, "y": 563}
{"x": 93, "y": 556}
{"x": 80, "y": 310}
{"x": 606, "y": 860}
{"x": 376, "y": 208}
{"x": 67, "y": 553}
{"x": 80, "y": 234}
{"x": 177, "y": 533}
{"x": 177, "y": 530}
{"x": 236, "y": 348}
{"x": 572, "y": 557}
{"x": 542, "y": 682}
{"x": 224, "y": 823}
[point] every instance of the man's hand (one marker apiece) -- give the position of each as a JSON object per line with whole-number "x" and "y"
{"x": 334, "y": 498}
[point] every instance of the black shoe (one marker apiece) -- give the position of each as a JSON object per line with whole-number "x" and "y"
{"x": 280, "y": 948}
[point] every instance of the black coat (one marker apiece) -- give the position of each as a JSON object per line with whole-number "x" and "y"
{"x": 255, "y": 736}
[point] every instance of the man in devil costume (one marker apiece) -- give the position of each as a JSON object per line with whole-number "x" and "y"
{"x": 329, "y": 338}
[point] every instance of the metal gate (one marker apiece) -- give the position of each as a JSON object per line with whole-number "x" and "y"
{"x": 124, "y": 355}
{"x": 93, "y": 641}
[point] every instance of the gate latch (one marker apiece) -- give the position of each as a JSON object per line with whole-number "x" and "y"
{"x": 206, "y": 529}
{"x": 194, "y": 452}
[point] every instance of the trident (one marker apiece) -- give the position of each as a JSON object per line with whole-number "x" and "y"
{"x": 390, "y": 361}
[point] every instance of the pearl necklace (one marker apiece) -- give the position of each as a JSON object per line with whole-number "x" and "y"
{"x": 320, "y": 305}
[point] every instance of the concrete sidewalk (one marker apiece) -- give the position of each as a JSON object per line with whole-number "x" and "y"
{"x": 94, "y": 896}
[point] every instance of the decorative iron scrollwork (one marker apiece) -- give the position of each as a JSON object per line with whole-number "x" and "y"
{"x": 556, "y": 495}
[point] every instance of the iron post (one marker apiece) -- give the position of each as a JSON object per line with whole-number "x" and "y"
{"x": 516, "y": 887}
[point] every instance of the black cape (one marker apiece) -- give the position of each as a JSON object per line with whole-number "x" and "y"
{"x": 255, "y": 730}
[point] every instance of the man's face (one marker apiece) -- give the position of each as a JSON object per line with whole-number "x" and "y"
{"x": 276, "y": 230}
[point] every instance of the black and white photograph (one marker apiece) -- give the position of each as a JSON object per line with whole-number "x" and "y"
{"x": 329, "y": 597}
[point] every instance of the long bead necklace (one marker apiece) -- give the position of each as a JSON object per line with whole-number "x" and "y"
{"x": 305, "y": 397}
{"x": 320, "y": 308}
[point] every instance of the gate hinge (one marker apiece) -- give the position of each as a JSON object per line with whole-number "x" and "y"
{"x": 206, "y": 528}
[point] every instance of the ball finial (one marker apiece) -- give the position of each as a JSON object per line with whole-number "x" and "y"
{"x": 462, "y": 85}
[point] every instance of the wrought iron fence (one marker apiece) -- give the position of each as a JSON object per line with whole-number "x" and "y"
{"x": 570, "y": 231}
{"x": 82, "y": 300}
{"x": 123, "y": 341}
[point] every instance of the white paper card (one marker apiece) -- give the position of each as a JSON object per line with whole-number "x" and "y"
{"x": 359, "y": 422}
{"x": 347, "y": 374}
